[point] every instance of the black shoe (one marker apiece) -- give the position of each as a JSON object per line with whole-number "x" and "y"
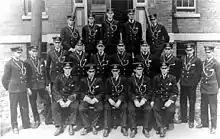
{"x": 146, "y": 133}
{"x": 106, "y": 133}
{"x": 133, "y": 133}
{"x": 36, "y": 124}
{"x": 162, "y": 132}
{"x": 158, "y": 131}
{"x": 212, "y": 131}
{"x": 94, "y": 131}
{"x": 84, "y": 131}
{"x": 71, "y": 130}
{"x": 191, "y": 124}
{"x": 15, "y": 130}
{"x": 124, "y": 131}
{"x": 58, "y": 131}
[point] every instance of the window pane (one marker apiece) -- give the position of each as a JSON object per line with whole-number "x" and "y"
{"x": 43, "y": 6}
{"x": 140, "y": 1}
{"x": 185, "y": 3}
{"x": 179, "y": 3}
{"x": 78, "y": 1}
{"x": 191, "y": 3}
{"x": 98, "y": 1}
{"x": 29, "y": 6}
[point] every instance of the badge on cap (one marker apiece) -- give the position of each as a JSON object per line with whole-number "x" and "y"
{"x": 71, "y": 17}
{"x": 100, "y": 44}
{"x": 153, "y": 16}
{"x": 168, "y": 45}
{"x": 121, "y": 43}
{"x": 110, "y": 10}
{"x": 209, "y": 49}
{"x": 91, "y": 15}
{"x": 138, "y": 65}
{"x": 90, "y": 66}
{"x": 67, "y": 65}
{"x": 144, "y": 43}
{"x": 131, "y": 11}
{"x": 115, "y": 66}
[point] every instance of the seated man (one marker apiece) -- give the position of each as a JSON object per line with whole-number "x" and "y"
{"x": 65, "y": 92}
{"x": 91, "y": 96}
{"x": 163, "y": 101}
{"x": 140, "y": 94}
{"x": 116, "y": 94}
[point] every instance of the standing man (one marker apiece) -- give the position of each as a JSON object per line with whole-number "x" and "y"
{"x": 110, "y": 32}
{"x": 132, "y": 33}
{"x": 79, "y": 59}
{"x": 101, "y": 60}
{"x": 190, "y": 77}
{"x": 69, "y": 35}
{"x": 65, "y": 92}
{"x": 123, "y": 58}
{"x": 55, "y": 58}
{"x": 38, "y": 84}
{"x": 115, "y": 100}
{"x": 91, "y": 96}
{"x": 156, "y": 36}
{"x": 15, "y": 80}
{"x": 173, "y": 62}
{"x": 91, "y": 35}
{"x": 165, "y": 95}
{"x": 209, "y": 88}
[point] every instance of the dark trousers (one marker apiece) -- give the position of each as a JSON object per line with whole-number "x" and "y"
{"x": 110, "y": 115}
{"x": 190, "y": 93}
{"x": 46, "y": 101}
{"x": 163, "y": 115}
{"x": 212, "y": 101}
{"x": 147, "y": 109}
{"x": 60, "y": 115}
{"x": 87, "y": 114}
{"x": 21, "y": 99}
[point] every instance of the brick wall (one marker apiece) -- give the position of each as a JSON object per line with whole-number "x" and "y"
{"x": 208, "y": 22}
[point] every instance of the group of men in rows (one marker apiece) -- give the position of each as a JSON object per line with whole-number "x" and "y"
{"x": 101, "y": 73}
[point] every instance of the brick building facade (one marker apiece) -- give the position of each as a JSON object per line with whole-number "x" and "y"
{"x": 197, "y": 21}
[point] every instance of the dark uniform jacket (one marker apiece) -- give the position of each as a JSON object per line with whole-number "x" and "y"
{"x": 16, "y": 77}
{"x": 140, "y": 88}
{"x": 156, "y": 37}
{"x": 174, "y": 64}
{"x": 101, "y": 63}
{"x": 93, "y": 89}
{"x": 125, "y": 61}
{"x": 147, "y": 60}
{"x": 66, "y": 88}
{"x": 79, "y": 62}
{"x": 165, "y": 89}
{"x": 191, "y": 70}
{"x": 116, "y": 89}
{"x": 37, "y": 68}
{"x": 210, "y": 82}
{"x": 110, "y": 32}
{"x": 69, "y": 37}
{"x": 54, "y": 65}
{"x": 90, "y": 37}
{"x": 132, "y": 35}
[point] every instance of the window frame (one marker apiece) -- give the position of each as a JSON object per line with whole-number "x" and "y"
{"x": 185, "y": 7}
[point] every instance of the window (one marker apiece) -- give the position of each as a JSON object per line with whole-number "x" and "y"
{"x": 78, "y": 1}
{"x": 186, "y": 4}
{"x": 141, "y": 1}
{"x": 27, "y": 9}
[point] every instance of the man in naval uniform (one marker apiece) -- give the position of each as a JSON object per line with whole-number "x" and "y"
{"x": 115, "y": 101}
{"x": 16, "y": 80}
{"x": 156, "y": 36}
{"x": 110, "y": 32}
{"x": 209, "y": 89}
{"x": 190, "y": 77}
{"x": 132, "y": 33}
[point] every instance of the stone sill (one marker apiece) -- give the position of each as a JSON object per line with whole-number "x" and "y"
{"x": 186, "y": 15}
{"x": 28, "y": 17}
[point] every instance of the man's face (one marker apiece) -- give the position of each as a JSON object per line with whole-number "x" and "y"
{"x": 57, "y": 44}
{"x": 115, "y": 72}
{"x": 167, "y": 50}
{"x": 17, "y": 54}
{"x": 121, "y": 48}
{"x": 79, "y": 47}
{"x": 67, "y": 70}
{"x": 70, "y": 21}
{"x": 164, "y": 70}
{"x": 139, "y": 71}
{"x": 110, "y": 15}
{"x": 91, "y": 20}
{"x": 209, "y": 54}
{"x": 131, "y": 16}
{"x": 145, "y": 48}
{"x": 189, "y": 51}
{"x": 91, "y": 72}
{"x": 33, "y": 53}
{"x": 154, "y": 21}
{"x": 100, "y": 48}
